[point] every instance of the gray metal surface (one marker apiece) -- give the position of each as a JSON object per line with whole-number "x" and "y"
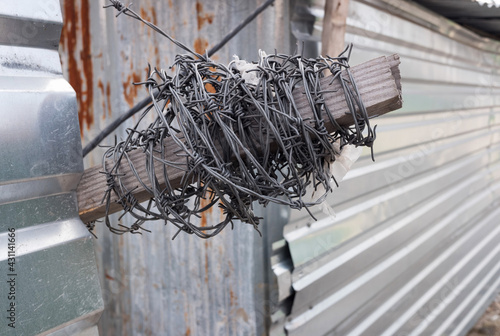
{"x": 151, "y": 284}
{"x": 415, "y": 245}
{"x": 55, "y": 287}
{"x": 483, "y": 16}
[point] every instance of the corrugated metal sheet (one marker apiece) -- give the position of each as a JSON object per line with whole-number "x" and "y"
{"x": 151, "y": 284}
{"x": 49, "y": 281}
{"x": 415, "y": 245}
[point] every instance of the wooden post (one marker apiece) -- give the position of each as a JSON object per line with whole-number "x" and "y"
{"x": 379, "y": 85}
{"x": 334, "y": 24}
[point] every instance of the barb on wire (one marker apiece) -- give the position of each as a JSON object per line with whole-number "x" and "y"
{"x": 240, "y": 134}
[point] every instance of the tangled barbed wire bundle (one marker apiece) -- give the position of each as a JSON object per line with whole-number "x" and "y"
{"x": 236, "y": 135}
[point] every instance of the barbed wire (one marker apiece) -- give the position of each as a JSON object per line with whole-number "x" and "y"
{"x": 240, "y": 136}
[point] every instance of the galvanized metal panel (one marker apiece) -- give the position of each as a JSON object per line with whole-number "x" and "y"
{"x": 413, "y": 249}
{"x": 153, "y": 285}
{"x": 55, "y": 288}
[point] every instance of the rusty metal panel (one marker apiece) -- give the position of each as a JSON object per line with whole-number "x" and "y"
{"x": 414, "y": 247}
{"x": 151, "y": 284}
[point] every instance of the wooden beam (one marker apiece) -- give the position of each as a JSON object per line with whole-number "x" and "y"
{"x": 334, "y": 25}
{"x": 378, "y": 82}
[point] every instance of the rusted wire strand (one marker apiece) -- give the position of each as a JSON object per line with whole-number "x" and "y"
{"x": 243, "y": 140}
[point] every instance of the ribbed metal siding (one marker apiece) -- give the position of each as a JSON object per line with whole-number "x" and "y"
{"x": 415, "y": 245}
{"x": 151, "y": 284}
{"x": 54, "y": 285}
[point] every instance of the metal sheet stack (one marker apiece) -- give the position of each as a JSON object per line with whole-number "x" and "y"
{"x": 414, "y": 248}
